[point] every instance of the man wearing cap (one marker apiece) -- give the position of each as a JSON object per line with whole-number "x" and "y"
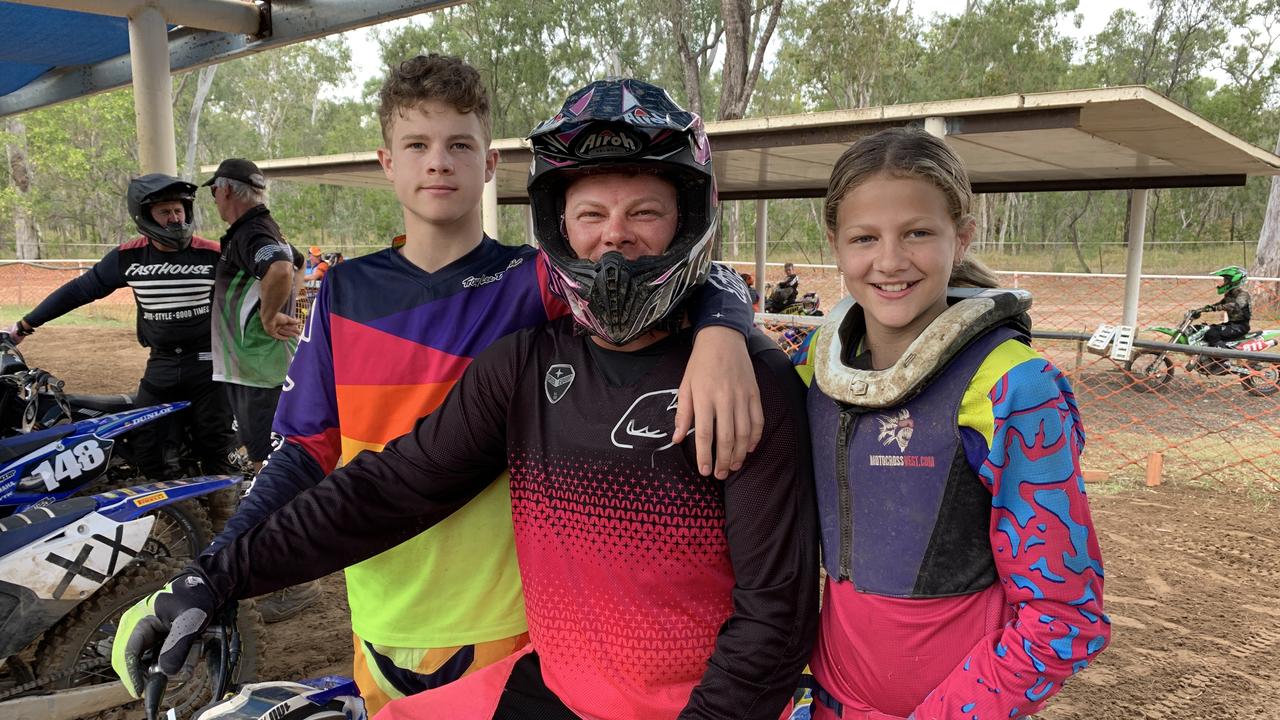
{"x": 254, "y": 328}
{"x": 170, "y": 271}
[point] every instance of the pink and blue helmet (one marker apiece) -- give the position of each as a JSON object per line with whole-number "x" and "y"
{"x": 624, "y": 125}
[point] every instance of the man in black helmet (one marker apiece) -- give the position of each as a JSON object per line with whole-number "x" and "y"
{"x": 651, "y": 591}
{"x": 170, "y": 271}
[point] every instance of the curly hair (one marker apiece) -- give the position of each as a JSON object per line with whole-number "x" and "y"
{"x": 425, "y": 78}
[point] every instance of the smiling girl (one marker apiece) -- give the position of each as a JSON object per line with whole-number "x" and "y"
{"x": 964, "y": 576}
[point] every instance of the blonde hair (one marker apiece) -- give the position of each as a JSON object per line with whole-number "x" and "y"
{"x": 972, "y": 272}
{"x": 910, "y": 152}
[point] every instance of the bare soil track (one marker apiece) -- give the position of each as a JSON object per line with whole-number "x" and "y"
{"x": 1192, "y": 583}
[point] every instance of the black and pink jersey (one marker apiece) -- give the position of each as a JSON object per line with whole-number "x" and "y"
{"x": 652, "y": 592}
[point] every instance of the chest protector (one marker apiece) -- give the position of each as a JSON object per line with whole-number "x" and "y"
{"x": 902, "y": 511}
{"x": 1239, "y": 309}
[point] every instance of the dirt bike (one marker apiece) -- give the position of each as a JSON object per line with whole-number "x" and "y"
{"x": 68, "y": 570}
{"x": 332, "y": 697}
{"x": 781, "y": 298}
{"x": 63, "y": 444}
{"x": 47, "y": 404}
{"x": 1152, "y": 369}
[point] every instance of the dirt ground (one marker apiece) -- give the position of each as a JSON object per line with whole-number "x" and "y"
{"x": 1192, "y": 583}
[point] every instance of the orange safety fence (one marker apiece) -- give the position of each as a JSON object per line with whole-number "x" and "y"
{"x": 1072, "y": 302}
{"x": 306, "y": 298}
{"x": 1193, "y": 416}
{"x": 1204, "y": 426}
{"x": 1202, "y": 417}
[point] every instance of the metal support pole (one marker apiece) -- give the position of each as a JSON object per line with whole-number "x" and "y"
{"x": 1133, "y": 263}
{"x": 530, "y": 237}
{"x": 489, "y": 208}
{"x": 152, "y": 91}
{"x": 762, "y": 240}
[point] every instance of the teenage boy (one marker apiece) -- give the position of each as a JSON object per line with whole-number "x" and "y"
{"x": 389, "y": 336}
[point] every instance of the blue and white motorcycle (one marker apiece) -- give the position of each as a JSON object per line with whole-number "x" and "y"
{"x": 68, "y": 570}
{"x": 52, "y": 448}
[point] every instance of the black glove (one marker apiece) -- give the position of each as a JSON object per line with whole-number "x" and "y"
{"x": 163, "y": 624}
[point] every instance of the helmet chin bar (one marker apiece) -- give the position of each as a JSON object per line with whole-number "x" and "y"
{"x": 176, "y": 236}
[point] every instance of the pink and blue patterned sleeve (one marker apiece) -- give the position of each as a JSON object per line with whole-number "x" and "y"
{"x": 1046, "y": 554}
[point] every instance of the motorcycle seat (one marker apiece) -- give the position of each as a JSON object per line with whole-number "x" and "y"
{"x": 17, "y": 531}
{"x": 104, "y": 403}
{"x": 19, "y": 445}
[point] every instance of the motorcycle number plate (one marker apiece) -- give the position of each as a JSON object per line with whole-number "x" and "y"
{"x": 75, "y": 464}
{"x": 1101, "y": 338}
{"x": 1122, "y": 343}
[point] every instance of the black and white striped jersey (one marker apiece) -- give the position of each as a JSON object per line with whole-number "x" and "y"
{"x": 173, "y": 291}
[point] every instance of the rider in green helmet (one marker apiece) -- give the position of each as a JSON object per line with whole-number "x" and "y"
{"x": 1234, "y": 302}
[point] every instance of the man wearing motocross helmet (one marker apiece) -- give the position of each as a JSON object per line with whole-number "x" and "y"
{"x": 170, "y": 271}
{"x": 1234, "y": 302}
{"x": 651, "y": 591}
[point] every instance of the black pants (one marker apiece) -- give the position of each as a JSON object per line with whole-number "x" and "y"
{"x": 1224, "y": 331}
{"x": 254, "y": 409}
{"x": 527, "y": 697}
{"x": 206, "y": 424}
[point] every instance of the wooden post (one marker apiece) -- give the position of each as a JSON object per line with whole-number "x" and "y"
{"x": 1155, "y": 464}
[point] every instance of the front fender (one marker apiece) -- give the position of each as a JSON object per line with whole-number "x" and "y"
{"x": 1173, "y": 333}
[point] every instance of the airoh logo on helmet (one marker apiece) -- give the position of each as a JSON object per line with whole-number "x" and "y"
{"x": 606, "y": 143}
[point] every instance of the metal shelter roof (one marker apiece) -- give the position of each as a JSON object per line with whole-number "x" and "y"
{"x": 50, "y": 54}
{"x": 1100, "y": 139}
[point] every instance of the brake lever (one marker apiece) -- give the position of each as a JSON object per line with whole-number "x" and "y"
{"x": 227, "y": 652}
{"x": 153, "y": 692}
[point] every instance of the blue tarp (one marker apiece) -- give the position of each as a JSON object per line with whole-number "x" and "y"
{"x": 35, "y": 40}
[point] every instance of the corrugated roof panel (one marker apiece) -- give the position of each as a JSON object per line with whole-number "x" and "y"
{"x": 35, "y": 40}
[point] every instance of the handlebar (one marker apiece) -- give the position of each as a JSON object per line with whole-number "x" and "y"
{"x": 29, "y": 385}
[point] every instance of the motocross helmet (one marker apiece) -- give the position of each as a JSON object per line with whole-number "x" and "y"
{"x": 624, "y": 125}
{"x": 1233, "y": 276}
{"x": 147, "y": 190}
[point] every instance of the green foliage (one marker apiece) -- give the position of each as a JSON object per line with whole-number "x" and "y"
{"x": 839, "y": 54}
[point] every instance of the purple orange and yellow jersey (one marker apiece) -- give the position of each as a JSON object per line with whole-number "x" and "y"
{"x": 383, "y": 345}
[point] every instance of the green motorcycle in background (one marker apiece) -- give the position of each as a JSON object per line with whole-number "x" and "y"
{"x": 1153, "y": 369}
